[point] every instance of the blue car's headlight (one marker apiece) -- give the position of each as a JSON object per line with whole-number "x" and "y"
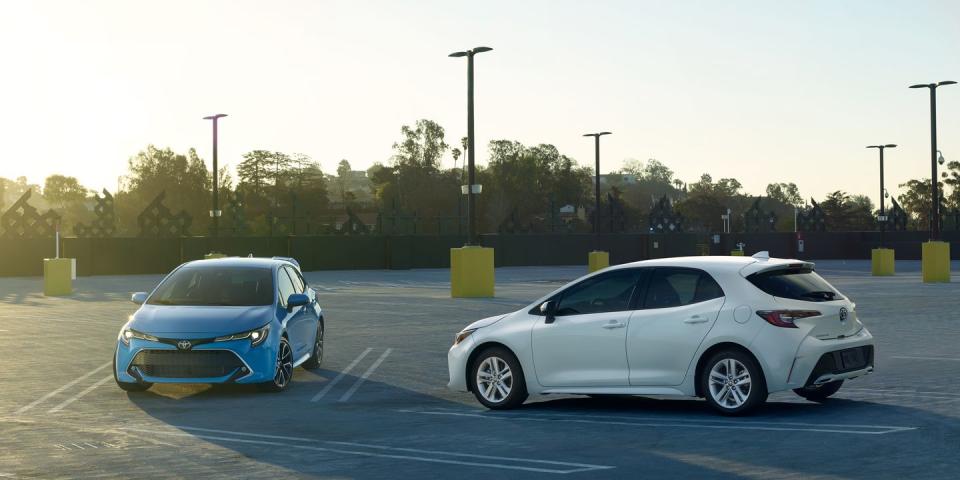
{"x": 127, "y": 333}
{"x": 256, "y": 336}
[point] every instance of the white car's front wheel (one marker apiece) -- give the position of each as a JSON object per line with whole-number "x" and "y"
{"x": 496, "y": 379}
{"x": 733, "y": 383}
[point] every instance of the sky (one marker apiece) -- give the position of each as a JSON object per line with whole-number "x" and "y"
{"x": 756, "y": 90}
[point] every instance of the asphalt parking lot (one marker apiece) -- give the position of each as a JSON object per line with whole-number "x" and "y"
{"x": 379, "y": 407}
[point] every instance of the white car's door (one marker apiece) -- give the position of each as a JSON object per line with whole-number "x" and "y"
{"x": 584, "y": 343}
{"x": 679, "y": 308}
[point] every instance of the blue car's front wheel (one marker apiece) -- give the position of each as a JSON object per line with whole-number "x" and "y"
{"x": 316, "y": 357}
{"x": 284, "y": 369}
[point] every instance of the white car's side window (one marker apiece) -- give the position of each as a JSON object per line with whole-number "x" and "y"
{"x": 675, "y": 287}
{"x": 610, "y": 292}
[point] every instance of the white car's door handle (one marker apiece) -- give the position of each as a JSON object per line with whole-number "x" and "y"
{"x": 696, "y": 319}
{"x": 614, "y": 324}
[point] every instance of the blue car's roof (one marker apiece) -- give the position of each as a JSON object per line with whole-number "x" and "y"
{"x": 240, "y": 262}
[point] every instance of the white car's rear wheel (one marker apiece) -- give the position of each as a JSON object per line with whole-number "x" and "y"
{"x": 733, "y": 383}
{"x": 496, "y": 379}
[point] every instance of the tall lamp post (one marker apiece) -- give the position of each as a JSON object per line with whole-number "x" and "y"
{"x": 215, "y": 212}
{"x": 934, "y": 194}
{"x": 596, "y": 190}
{"x": 883, "y": 215}
{"x": 472, "y": 188}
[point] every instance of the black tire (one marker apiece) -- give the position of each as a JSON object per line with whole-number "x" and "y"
{"x": 515, "y": 384}
{"x": 283, "y": 375}
{"x": 125, "y": 386}
{"x": 756, "y": 393}
{"x": 316, "y": 357}
{"x": 819, "y": 393}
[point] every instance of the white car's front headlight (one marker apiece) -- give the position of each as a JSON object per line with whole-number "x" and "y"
{"x": 463, "y": 336}
{"x": 256, "y": 336}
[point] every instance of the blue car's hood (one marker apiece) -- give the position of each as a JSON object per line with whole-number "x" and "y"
{"x": 161, "y": 320}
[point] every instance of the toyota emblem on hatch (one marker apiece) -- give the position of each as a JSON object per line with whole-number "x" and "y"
{"x": 185, "y": 344}
{"x": 843, "y": 314}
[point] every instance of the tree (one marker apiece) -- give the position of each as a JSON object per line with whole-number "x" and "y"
{"x": 422, "y": 146}
{"x": 184, "y": 178}
{"x": 343, "y": 179}
{"x": 706, "y": 199}
{"x": 787, "y": 193}
{"x": 523, "y": 183}
{"x": 61, "y": 191}
{"x": 915, "y": 201}
{"x": 847, "y": 213}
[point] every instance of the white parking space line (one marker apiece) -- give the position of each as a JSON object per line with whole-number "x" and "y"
{"x": 911, "y": 357}
{"x": 383, "y": 451}
{"x": 80, "y": 395}
{"x": 677, "y": 423}
{"x": 339, "y": 377}
{"x": 392, "y": 313}
{"x": 919, "y": 395}
{"x": 363, "y": 378}
{"x": 61, "y": 389}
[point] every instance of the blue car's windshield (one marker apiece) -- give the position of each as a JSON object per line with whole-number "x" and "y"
{"x": 222, "y": 286}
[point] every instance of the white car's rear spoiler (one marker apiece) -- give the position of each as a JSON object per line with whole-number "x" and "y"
{"x": 765, "y": 263}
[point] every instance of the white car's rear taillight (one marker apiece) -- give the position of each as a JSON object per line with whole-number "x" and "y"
{"x": 786, "y": 318}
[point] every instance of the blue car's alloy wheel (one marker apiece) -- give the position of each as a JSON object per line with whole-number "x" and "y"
{"x": 284, "y": 368}
{"x": 316, "y": 358}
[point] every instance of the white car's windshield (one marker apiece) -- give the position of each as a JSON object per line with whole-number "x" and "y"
{"x": 223, "y": 286}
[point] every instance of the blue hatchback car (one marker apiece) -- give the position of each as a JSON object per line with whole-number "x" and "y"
{"x": 227, "y": 320}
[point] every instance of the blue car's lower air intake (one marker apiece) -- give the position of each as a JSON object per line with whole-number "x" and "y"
{"x": 186, "y": 364}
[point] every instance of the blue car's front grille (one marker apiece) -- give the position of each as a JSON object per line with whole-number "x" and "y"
{"x": 186, "y": 364}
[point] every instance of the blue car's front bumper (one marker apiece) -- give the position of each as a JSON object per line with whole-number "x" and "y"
{"x": 160, "y": 362}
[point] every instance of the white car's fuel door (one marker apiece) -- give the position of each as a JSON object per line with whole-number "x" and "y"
{"x": 679, "y": 308}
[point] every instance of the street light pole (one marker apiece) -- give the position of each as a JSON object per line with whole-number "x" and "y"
{"x": 471, "y": 170}
{"x": 596, "y": 191}
{"x": 883, "y": 215}
{"x": 934, "y": 194}
{"x": 215, "y": 212}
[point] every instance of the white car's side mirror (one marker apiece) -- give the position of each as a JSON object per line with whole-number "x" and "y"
{"x": 139, "y": 298}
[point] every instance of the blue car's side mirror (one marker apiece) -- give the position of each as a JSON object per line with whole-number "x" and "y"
{"x": 139, "y": 298}
{"x": 297, "y": 300}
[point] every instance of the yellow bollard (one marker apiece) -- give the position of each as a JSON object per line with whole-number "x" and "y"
{"x": 57, "y": 276}
{"x": 935, "y": 262}
{"x": 736, "y": 253}
{"x": 597, "y": 260}
{"x": 471, "y": 272}
{"x": 882, "y": 262}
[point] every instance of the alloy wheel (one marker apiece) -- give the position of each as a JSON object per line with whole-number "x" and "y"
{"x": 494, "y": 379}
{"x": 730, "y": 383}
{"x": 284, "y": 365}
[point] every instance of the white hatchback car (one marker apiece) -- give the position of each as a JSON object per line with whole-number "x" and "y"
{"x": 729, "y": 329}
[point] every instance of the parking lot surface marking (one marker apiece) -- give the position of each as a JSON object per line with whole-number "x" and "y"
{"x": 911, "y": 357}
{"x": 342, "y": 374}
{"x": 363, "y": 378}
{"x": 61, "y": 389}
{"x": 401, "y": 453}
{"x": 80, "y": 395}
{"x": 677, "y": 423}
{"x": 741, "y": 469}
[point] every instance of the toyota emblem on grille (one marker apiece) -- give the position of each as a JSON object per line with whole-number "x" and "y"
{"x": 843, "y": 314}
{"x": 184, "y": 345}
